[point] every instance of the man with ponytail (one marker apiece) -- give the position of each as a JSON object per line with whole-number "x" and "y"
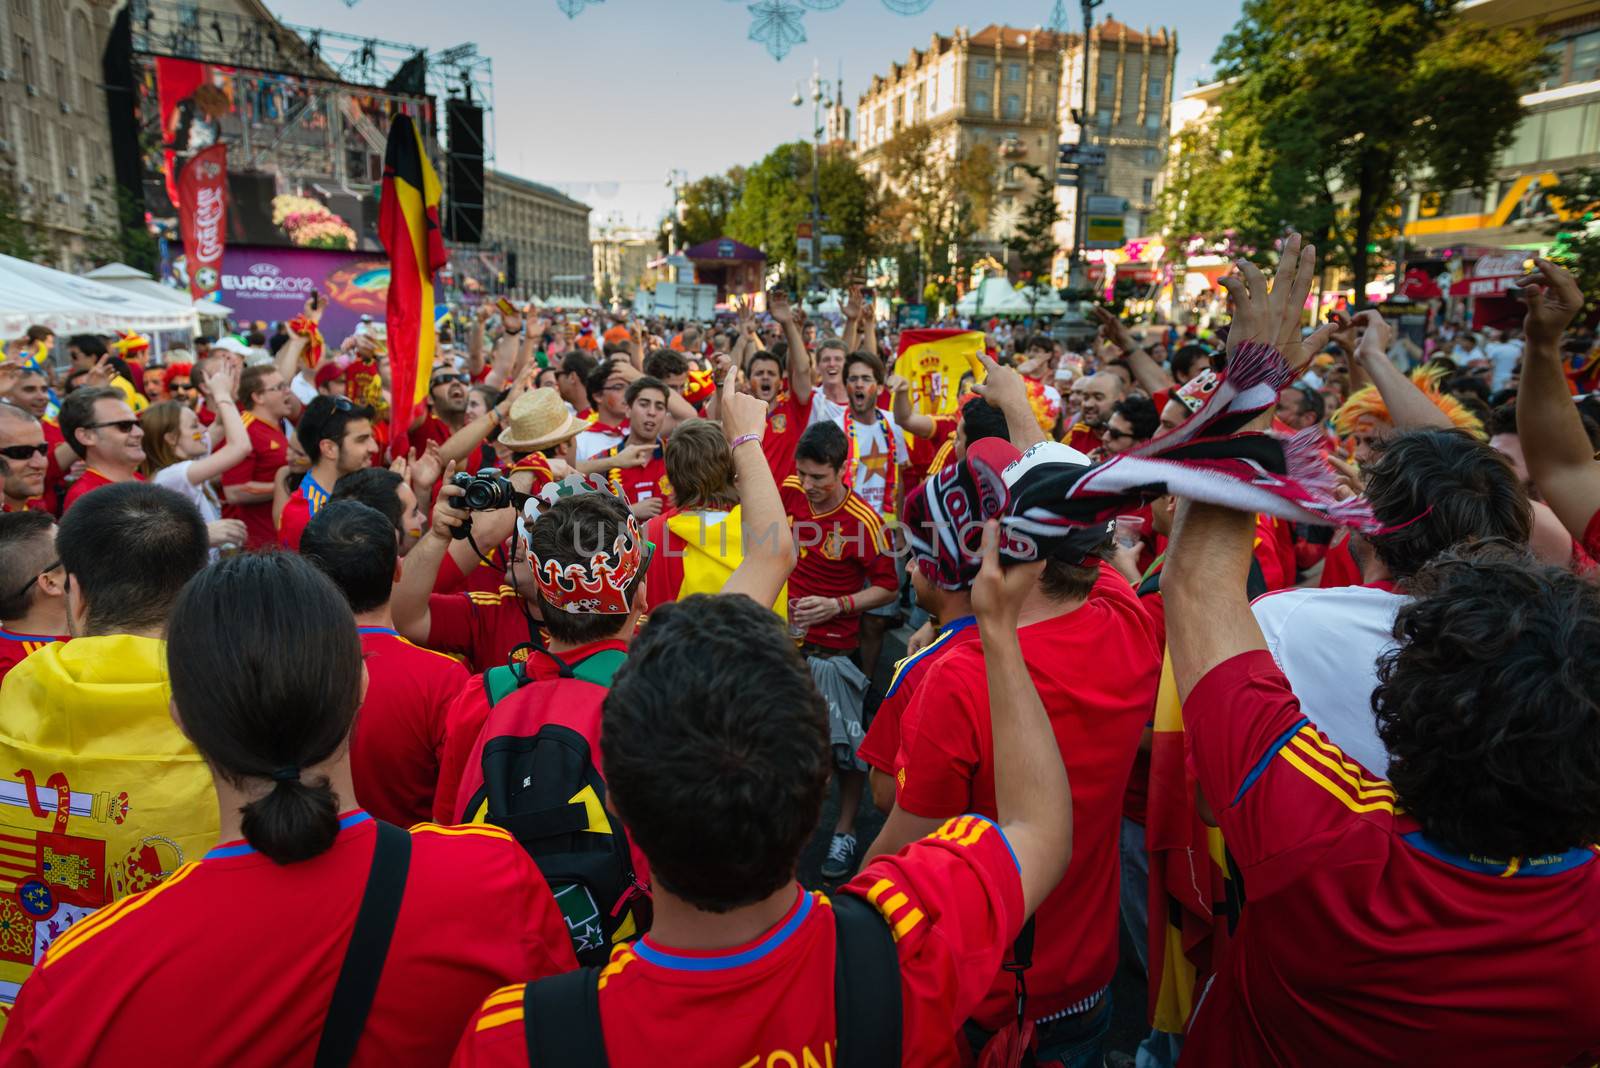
{"x": 263, "y": 940}
{"x": 116, "y": 799}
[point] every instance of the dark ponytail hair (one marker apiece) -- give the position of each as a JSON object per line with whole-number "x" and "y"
{"x": 266, "y": 670}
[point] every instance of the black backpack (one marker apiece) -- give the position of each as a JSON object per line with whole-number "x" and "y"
{"x": 561, "y": 1014}
{"x": 539, "y": 781}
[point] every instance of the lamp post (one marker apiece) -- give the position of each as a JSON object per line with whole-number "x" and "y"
{"x": 1080, "y": 262}
{"x": 676, "y": 180}
{"x": 822, "y": 96}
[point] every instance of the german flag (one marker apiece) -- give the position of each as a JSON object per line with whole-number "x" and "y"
{"x": 1193, "y": 900}
{"x": 408, "y": 226}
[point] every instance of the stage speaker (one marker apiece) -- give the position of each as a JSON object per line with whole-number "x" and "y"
{"x": 464, "y": 172}
{"x": 511, "y": 272}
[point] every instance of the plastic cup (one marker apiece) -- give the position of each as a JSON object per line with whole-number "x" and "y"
{"x": 1129, "y": 530}
{"x": 796, "y": 631}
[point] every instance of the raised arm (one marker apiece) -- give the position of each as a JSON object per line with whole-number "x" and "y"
{"x": 1560, "y": 458}
{"x": 1150, "y": 374}
{"x": 236, "y": 441}
{"x": 1002, "y": 387}
{"x": 409, "y": 602}
{"x": 1031, "y": 793}
{"x": 800, "y": 365}
{"x": 769, "y": 553}
{"x": 909, "y": 419}
{"x": 1409, "y": 408}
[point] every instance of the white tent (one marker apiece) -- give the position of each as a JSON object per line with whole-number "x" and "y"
{"x": 31, "y": 293}
{"x": 121, "y": 276}
{"x": 1042, "y": 300}
{"x": 994, "y": 296}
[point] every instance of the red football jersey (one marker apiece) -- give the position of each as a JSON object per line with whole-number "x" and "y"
{"x": 400, "y": 731}
{"x": 1591, "y": 536}
{"x": 787, "y": 418}
{"x": 250, "y": 950}
{"x": 882, "y": 741}
{"x": 1339, "y": 567}
{"x": 306, "y": 501}
{"x": 953, "y": 902}
{"x": 842, "y": 551}
{"x": 1096, "y": 670}
{"x": 91, "y": 480}
{"x": 1083, "y": 437}
{"x": 431, "y": 429}
{"x": 1364, "y": 941}
{"x": 268, "y": 452}
{"x": 634, "y": 484}
{"x": 14, "y": 648}
{"x": 483, "y": 627}
{"x": 53, "y": 473}
{"x": 929, "y": 455}
{"x": 470, "y": 709}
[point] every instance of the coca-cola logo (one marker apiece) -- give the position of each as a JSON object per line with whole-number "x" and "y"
{"x": 208, "y": 225}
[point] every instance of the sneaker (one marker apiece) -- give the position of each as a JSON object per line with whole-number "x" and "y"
{"x": 841, "y": 857}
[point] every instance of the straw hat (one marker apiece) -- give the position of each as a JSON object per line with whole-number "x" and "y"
{"x": 538, "y": 420}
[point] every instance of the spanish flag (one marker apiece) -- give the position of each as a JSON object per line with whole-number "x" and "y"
{"x": 1193, "y": 899}
{"x": 408, "y": 226}
{"x": 697, "y": 552}
{"x": 934, "y": 361}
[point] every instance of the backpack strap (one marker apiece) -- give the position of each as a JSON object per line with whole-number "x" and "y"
{"x": 502, "y": 681}
{"x": 866, "y": 986}
{"x": 561, "y": 1021}
{"x": 369, "y": 946}
{"x": 599, "y": 668}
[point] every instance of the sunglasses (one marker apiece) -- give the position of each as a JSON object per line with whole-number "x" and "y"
{"x": 25, "y": 452}
{"x": 343, "y": 404}
{"x": 182, "y": 387}
{"x": 444, "y": 380}
{"x": 1115, "y": 434}
{"x": 31, "y": 582}
{"x": 124, "y": 426}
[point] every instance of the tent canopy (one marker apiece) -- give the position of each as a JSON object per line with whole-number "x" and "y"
{"x": 33, "y": 294}
{"x": 994, "y": 296}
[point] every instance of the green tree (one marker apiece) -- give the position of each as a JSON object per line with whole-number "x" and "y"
{"x": 1577, "y": 245}
{"x": 707, "y": 203}
{"x": 125, "y": 238}
{"x": 1333, "y": 111}
{"x": 776, "y": 199}
{"x": 935, "y": 199}
{"x": 1034, "y": 242}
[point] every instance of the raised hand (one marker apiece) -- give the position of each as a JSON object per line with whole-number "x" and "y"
{"x": 1269, "y": 311}
{"x": 1553, "y": 300}
{"x": 101, "y": 373}
{"x": 741, "y": 413}
{"x": 1000, "y": 385}
{"x": 1113, "y": 329}
{"x": 778, "y": 306}
{"x": 1375, "y": 336}
{"x": 634, "y": 455}
{"x": 999, "y": 590}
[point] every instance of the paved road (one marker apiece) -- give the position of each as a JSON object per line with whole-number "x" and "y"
{"x": 1128, "y": 1024}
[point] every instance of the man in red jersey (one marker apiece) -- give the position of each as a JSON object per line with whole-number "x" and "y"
{"x": 33, "y": 605}
{"x": 337, "y": 435}
{"x": 446, "y": 411}
{"x": 740, "y": 962}
{"x": 1100, "y": 394}
{"x": 639, "y": 476}
{"x": 787, "y": 391}
{"x": 24, "y": 460}
{"x": 103, "y": 431}
{"x": 264, "y": 399}
{"x": 844, "y": 570}
{"x": 942, "y": 579}
{"x": 400, "y": 730}
{"x": 31, "y": 393}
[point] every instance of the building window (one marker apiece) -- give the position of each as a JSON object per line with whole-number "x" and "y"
{"x": 1108, "y": 85}
{"x": 1013, "y": 106}
{"x": 1013, "y": 72}
{"x": 1585, "y": 57}
{"x": 981, "y": 71}
{"x": 1148, "y": 188}
{"x": 980, "y": 102}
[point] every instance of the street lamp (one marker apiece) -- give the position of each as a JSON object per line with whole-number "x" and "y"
{"x": 676, "y": 180}
{"x": 823, "y": 96}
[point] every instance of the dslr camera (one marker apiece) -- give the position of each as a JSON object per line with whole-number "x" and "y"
{"x": 486, "y": 491}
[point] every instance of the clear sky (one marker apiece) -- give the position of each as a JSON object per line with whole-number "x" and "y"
{"x": 632, "y": 88}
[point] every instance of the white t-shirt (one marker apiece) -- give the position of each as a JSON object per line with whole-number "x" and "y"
{"x": 1504, "y": 356}
{"x": 824, "y": 410}
{"x": 874, "y": 454}
{"x": 176, "y": 479}
{"x": 1328, "y": 643}
{"x": 591, "y": 443}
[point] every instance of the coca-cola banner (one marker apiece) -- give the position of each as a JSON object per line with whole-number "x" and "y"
{"x": 202, "y": 216}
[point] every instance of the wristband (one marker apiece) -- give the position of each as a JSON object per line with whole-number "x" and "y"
{"x": 742, "y": 439}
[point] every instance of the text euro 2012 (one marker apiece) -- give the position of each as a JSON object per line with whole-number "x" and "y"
{"x": 782, "y": 1058}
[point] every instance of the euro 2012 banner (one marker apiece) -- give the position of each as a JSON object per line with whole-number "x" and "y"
{"x": 941, "y": 365}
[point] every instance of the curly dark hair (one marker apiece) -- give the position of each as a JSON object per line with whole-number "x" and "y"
{"x": 715, "y": 744}
{"x": 1490, "y": 706}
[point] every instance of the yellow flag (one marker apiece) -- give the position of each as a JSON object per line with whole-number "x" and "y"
{"x": 934, "y": 362}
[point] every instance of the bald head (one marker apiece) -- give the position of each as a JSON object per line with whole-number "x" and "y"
{"x": 1100, "y": 393}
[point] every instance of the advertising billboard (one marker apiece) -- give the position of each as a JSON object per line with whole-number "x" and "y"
{"x": 305, "y": 157}
{"x": 272, "y": 284}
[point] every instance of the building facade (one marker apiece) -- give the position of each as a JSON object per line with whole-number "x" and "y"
{"x": 621, "y": 257}
{"x": 55, "y": 139}
{"x": 1130, "y": 77}
{"x": 1560, "y": 134}
{"x": 997, "y": 87}
{"x": 544, "y": 235}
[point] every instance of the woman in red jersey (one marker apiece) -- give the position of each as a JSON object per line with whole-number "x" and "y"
{"x": 247, "y": 956}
